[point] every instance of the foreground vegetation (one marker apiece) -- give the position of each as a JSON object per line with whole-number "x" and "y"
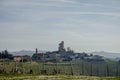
{"x": 51, "y": 77}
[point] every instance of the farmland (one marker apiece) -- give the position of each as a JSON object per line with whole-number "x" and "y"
{"x": 69, "y": 70}
{"x": 75, "y": 67}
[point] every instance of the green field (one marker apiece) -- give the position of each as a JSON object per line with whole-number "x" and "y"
{"x": 52, "y": 77}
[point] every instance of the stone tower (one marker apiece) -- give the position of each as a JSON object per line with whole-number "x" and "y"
{"x": 61, "y": 48}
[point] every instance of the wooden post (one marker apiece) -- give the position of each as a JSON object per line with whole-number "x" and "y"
{"x": 107, "y": 70}
{"x": 82, "y": 68}
{"x": 31, "y": 71}
{"x": 117, "y": 69}
{"x": 22, "y": 66}
{"x": 91, "y": 69}
{"x": 71, "y": 68}
{"x": 43, "y": 62}
{"x": 56, "y": 65}
{"x": 43, "y": 71}
{"x": 3, "y": 64}
{"x": 15, "y": 66}
{"x": 97, "y": 70}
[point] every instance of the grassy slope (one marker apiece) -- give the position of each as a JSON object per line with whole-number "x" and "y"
{"x": 52, "y": 77}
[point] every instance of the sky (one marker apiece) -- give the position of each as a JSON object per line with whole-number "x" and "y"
{"x": 83, "y": 25}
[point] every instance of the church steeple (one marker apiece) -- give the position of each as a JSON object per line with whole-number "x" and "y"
{"x": 36, "y": 51}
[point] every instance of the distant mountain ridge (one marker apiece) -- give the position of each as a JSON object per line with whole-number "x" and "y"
{"x": 106, "y": 54}
{"x": 25, "y": 52}
{"x": 101, "y": 53}
{"x": 22, "y": 52}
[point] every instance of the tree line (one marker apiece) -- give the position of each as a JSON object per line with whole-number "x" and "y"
{"x": 4, "y": 54}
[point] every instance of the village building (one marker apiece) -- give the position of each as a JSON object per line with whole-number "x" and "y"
{"x": 17, "y": 58}
{"x": 38, "y": 56}
{"x": 23, "y": 58}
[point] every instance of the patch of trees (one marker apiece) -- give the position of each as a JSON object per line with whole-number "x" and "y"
{"x": 4, "y": 54}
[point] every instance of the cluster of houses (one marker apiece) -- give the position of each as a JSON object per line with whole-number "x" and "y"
{"x": 61, "y": 55}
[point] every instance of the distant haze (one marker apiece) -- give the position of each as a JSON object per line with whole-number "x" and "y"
{"x": 84, "y": 25}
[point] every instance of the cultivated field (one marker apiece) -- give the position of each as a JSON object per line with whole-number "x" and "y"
{"x": 57, "y": 71}
{"x": 76, "y": 67}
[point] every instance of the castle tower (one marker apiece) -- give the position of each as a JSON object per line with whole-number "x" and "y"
{"x": 61, "y": 47}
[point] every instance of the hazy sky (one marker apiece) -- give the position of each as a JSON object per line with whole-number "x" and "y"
{"x": 84, "y": 25}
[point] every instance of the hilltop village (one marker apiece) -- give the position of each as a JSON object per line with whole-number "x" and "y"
{"x": 63, "y": 61}
{"x": 61, "y": 55}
